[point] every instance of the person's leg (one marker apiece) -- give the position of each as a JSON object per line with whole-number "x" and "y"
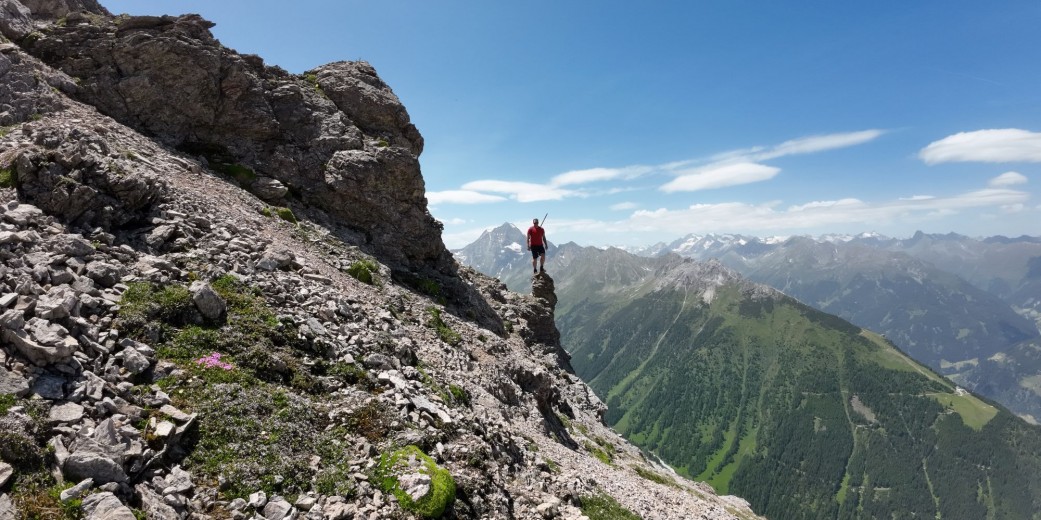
{"x": 534, "y": 259}
{"x": 542, "y": 261}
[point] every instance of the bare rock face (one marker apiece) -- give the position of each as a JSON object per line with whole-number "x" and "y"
{"x": 541, "y": 327}
{"x": 337, "y": 138}
{"x": 59, "y": 8}
{"x": 15, "y": 20}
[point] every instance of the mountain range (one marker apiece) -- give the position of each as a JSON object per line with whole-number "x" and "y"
{"x": 802, "y": 413}
{"x": 959, "y": 328}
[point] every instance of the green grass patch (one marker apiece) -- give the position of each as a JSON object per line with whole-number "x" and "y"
{"x": 601, "y": 454}
{"x": 974, "y": 412}
{"x": 443, "y": 330}
{"x": 249, "y": 433}
{"x": 605, "y": 507}
{"x": 363, "y": 270}
{"x": 251, "y": 339}
{"x": 6, "y": 402}
{"x": 244, "y": 175}
{"x": 653, "y": 476}
{"x": 8, "y": 178}
{"x": 286, "y": 214}
{"x": 37, "y": 501}
{"x": 411, "y": 459}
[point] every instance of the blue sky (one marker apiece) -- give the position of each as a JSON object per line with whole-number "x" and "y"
{"x": 631, "y": 123}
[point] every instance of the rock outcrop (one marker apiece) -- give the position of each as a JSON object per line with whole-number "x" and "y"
{"x": 170, "y": 347}
{"x": 336, "y": 138}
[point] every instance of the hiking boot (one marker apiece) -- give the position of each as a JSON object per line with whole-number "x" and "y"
{"x": 534, "y": 271}
{"x": 542, "y": 270}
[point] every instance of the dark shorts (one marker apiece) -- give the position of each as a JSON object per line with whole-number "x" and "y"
{"x": 537, "y": 251}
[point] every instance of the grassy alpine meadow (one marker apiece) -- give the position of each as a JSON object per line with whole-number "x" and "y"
{"x": 797, "y": 411}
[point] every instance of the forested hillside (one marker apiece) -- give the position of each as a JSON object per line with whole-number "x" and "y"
{"x": 800, "y": 412}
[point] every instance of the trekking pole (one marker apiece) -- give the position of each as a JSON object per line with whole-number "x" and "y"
{"x": 543, "y": 223}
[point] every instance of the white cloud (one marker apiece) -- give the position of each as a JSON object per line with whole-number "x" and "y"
{"x": 1008, "y": 179}
{"x": 802, "y": 145}
{"x": 598, "y": 174}
{"x": 994, "y": 145}
{"x": 771, "y": 217}
{"x": 720, "y": 175}
{"x": 455, "y": 221}
{"x": 460, "y": 197}
{"x": 521, "y": 191}
{"x": 622, "y": 206}
{"x": 727, "y": 169}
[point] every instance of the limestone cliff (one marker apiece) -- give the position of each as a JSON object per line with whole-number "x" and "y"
{"x": 221, "y": 296}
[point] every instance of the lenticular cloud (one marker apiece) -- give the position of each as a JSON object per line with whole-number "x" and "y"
{"x": 994, "y": 146}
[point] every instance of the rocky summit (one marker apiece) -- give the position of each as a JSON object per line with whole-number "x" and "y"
{"x": 223, "y": 297}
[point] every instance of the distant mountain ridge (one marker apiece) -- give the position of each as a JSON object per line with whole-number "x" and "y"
{"x": 798, "y": 411}
{"x": 959, "y": 304}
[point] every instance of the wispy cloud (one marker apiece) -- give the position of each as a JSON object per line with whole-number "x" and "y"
{"x": 771, "y": 216}
{"x": 1008, "y": 179}
{"x": 731, "y": 168}
{"x": 994, "y": 146}
{"x": 802, "y": 145}
{"x": 623, "y": 206}
{"x": 719, "y": 176}
{"x": 460, "y": 197}
{"x": 521, "y": 191}
{"x": 598, "y": 175}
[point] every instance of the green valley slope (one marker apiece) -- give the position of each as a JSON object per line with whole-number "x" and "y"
{"x": 798, "y": 411}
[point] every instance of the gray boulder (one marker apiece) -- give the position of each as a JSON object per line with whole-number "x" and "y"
{"x": 11, "y": 383}
{"x": 268, "y": 189}
{"x": 209, "y": 303}
{"x": 105, "y": 506}
{"x": 15, "y": 20}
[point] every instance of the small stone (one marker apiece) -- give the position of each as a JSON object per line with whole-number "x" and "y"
{"x": 6, "y": 471}
{"x": 106, "y": 506}
{"x": 134, "y": 361}
{"x": 12, "y": 383}
{"x": 65, "y": 413}
{"x": 209, "y": 303}
{"x": 305, "y": 502}
{"x": 77, "y": 491}
{"x": 277, "y": 509}
{"x": 268, "y": 189}
{"x": 164, "y": 429}
{"x": 257, "y": 500}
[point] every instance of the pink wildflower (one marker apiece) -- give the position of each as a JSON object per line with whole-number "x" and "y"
{"x": 213, "y": 361}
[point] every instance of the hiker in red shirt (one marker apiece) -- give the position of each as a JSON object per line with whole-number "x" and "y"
{"x": 537, "y": 245}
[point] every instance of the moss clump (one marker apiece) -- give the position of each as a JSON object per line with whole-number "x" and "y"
{"x": 6, "y": 402}
{"x": 595, "y": 451}
{"x": 143, "y": 302}
{"x": 653, "y": 477}
{"x": 8, "y": 178}
{"x": 443, "y": 330}
{"x": 266, "y": 211}
{"x": 362, "y": 270}
{"x": 243, "y": 175}
{"x": 411, "y": 459}
{"x": 604, "y": 507}
{"x": 286, "y": 214}
{"x": 459, "y": 394}
{"x": 429, "y": 287}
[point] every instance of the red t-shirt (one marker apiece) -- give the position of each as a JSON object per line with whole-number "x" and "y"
{"x": 536, "y": 235}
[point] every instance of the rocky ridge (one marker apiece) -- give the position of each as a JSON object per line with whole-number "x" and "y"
{"x": 172, "y": 348}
